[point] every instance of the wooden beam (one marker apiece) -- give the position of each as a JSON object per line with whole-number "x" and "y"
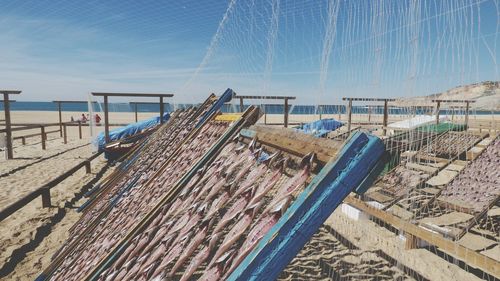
{"x": 149, "y": 95}
{"x": 43, "y": 135}
{"x": 438, "y": 105}
{"x": 65, "y": 134}
{"x": 367, "y": 99}
{"x": 294, "y": 142}
{"x": 386, "y": 117}
{"x": 42, "y": 191}
{"x": 6, "y": 105}
{"x": 135, "y": 109}
{"x": 349, "y": 115}
{"x": 60, "y": 118}
{"x": 286, "y": 113}
{"x": 80, "y": 129}
{"x": 161, "y": 110}
{"x": 266, "y": 97}
{"x": 470, "y": 257}
{"x": 106, "y": 120}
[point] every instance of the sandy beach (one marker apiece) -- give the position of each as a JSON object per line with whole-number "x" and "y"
{"x": 32, "y": 235}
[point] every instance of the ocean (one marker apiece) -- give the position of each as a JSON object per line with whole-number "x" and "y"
{"x": 227, "y": 108}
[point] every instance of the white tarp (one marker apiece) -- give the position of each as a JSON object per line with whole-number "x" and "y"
{"x": 415, "y": 122}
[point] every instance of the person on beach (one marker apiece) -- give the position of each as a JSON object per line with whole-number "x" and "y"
{"x": 72, "y": 119}
{"x": 84, "y": 118}
{"x": 97, "y": 119}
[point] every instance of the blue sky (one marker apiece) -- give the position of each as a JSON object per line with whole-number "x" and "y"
{"x": 65, "y": 49}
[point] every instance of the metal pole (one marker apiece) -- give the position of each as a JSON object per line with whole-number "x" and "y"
{"x": 241, "y": 105}
{"x": 286, "y": 113}
{"x": 6, "y": 105}
{"x": 161, "y": 110}
{"x": 106, "y": 119}
{"x": 60, "y": 118}
{"x": 320, "y": 111}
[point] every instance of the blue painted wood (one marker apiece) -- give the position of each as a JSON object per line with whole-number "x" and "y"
{"x": 248, "y": 133}
{"x": 311, "y": 208}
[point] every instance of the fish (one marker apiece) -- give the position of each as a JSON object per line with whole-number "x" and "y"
{"x": 233, "y": 211}
{"x": 193, "y": 245}
{"x": 290, "y": 187}
{"x": 250, "y": 180}
{"x": 195, "y": 263}
{"x": 215, "y": 190}
{"x": 218, "y": 203}
{"x": 194, "y": 219}
{"x": 265, "y": 186}
{"x": 172, "y": 254}
{"x": 236, "y": 231}
{"x": 256, "y": 233}
{"x": 214, "y": 273}
{"x": 181, "y": 222}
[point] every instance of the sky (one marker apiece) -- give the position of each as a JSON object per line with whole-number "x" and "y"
{"x": 66, "y": 49}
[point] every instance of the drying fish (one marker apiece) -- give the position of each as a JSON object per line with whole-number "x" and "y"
{"x": 218, "y": 203}
{"x": 181, "y": 222}
{"x": 257, "y": 232}
{"x": 237, "y": 231}
{"x": 195, "y": 263}
{"x": 172, "y": 254}
{"x": 292, "y": 184}
{"x": 216, "y": 271}
{"x": 265, "y": 186}
{"x": 215, "y": 190}
{"x": 232, "y": 212}
{"x": 193, "y": 245}
{"x": 194, "y": 219}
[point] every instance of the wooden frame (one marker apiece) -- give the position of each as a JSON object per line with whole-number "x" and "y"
{"x": 106, "y": 112}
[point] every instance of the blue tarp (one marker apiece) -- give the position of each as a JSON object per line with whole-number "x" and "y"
{"x": 321, "y": 127}
{"x": 129, "y": 130}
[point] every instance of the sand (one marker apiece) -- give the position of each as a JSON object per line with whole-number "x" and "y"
{"x": 369, "y": 236}
{"x": 35, "y": 233}
{"x": 30, "y": 236}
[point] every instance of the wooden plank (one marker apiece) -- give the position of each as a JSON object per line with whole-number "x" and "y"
{"x": 43, "y": 191}
{"x": 296, "y": 143}
{"x": 472, "y": 258}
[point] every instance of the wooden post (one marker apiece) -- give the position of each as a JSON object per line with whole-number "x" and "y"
{"x": 241, "y": 105}
{"x": 411, "y": 241}
{"x": 60, "y": 118}
{"x": 43, "y": 137}
{"x": 320, "y": 111}
{"x": 467, "y": 114}
{"x": 161, "y": 110}
{"x": 106, "y": 119}
{"x": 8, "y": 133}
{"x": 438, "y": 105}
{"x": 80, "y": 129}
{"x": 265, "y": 114}
{"x": 135, "y": 107}
{"x": 386, "y": 117}
{"x": 23, "y": 140}
{"x": 88, "y": 170}
{"x": 286, "y": 113}
{"x": 46, "y": 198}
{"x": 65, "y": 134}
{"x": 349, "y": 116}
